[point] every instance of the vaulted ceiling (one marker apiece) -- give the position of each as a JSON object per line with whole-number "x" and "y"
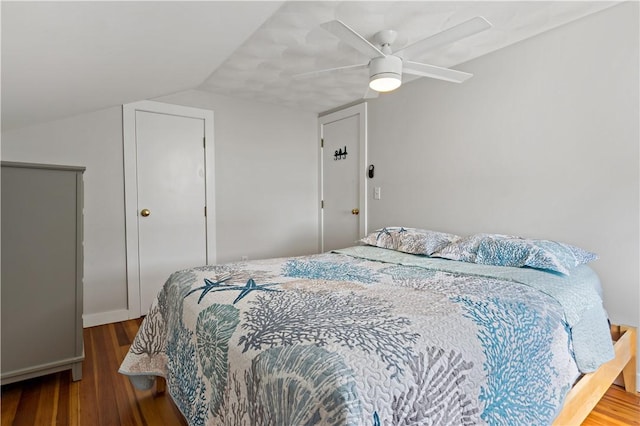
{"x": 65, "y": 58}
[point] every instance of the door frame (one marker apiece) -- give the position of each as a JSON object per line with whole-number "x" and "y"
{"x": 361, "y": 111}
{"x": 131, "y": 188}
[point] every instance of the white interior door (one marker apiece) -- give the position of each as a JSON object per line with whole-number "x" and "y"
{"x": 168, "y": 203}
{"x": 343, "y": 213}
{"x": 171, "y": 190}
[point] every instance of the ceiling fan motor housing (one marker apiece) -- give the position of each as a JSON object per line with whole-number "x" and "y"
{"x": 385, "y": 73}
{"x": 391, "y": 65}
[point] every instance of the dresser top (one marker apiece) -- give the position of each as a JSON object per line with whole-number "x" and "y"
{"x": 42, "y": 166}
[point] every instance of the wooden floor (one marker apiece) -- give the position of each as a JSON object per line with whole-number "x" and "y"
{"x": 104, "y": 397}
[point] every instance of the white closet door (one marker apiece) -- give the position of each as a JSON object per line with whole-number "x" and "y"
{"x": 344, "y": 214}
{"x": 171, "y": 187}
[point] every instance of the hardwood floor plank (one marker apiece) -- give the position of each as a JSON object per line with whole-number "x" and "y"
{"x": 128, "y": 409}
{"x": 617, "y": 407}
{"x": 74, "y": 403}
{"x": 26, "y": 412}
{"x": 108, "y": 407}
{"x": 64, "y": 400}
{"x": 88, "y": 392}
{"x": 11, "y": 395}
{"x": 154, "y": 410}
{"x": 131, "y": 327}
{"x": 46, "y": 410}
{"x": 121, "y": 334}
{"x": 105, "y": 397}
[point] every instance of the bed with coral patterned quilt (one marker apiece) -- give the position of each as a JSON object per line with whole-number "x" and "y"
{"x": 370, "y": 336}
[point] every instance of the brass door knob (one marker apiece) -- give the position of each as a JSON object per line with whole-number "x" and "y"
{"x": 145, "y": 212}
{"x": 355, "y": 211}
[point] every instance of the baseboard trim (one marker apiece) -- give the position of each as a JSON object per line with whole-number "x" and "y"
{"x": 101, "y": 318}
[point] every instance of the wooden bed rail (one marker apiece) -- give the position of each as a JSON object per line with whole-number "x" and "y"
{"x": 589, "y": 389}
{"x": 629, "y": 372}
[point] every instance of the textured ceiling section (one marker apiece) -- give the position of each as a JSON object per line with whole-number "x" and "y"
{"x": 292, "y": 42}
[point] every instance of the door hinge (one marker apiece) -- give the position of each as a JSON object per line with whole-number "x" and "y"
{"x": 205, "y": 211}
{"x": 322, "y": 204}
{"x": 321, "y": 142}
{"x": 204, "y": 142}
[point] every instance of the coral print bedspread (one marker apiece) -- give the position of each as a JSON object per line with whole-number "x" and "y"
{"x": 354, "y": 338}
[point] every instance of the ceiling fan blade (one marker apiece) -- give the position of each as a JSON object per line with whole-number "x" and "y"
{"x": 352, "y": 38}
{"x": 450, "y": 35}
{"x": 312, "y": 74}
{"x": 432, "y": 71}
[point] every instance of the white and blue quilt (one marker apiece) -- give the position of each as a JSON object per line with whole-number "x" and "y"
{"x": 367, "y": 336}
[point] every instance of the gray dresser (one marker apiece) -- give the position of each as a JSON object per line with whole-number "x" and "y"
{"x": 41, "y": 270}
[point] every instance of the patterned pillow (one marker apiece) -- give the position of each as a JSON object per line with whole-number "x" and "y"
{"x": 466, "y": 249}
{"x": 409, "y": 240}
{"x": 539, "y": 254}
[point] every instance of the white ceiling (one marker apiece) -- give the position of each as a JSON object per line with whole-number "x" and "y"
{"x": 64, "y": 58}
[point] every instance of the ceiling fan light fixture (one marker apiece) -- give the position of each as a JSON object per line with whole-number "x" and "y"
{"x": 385, "y": 73}
{"x": 385, "y": 82}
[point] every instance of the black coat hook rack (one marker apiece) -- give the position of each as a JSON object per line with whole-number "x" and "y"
{"x": 340, "y": 154}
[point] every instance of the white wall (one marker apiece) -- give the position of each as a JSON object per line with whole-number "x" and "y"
{"x": 93, "y": 140}
{"x": 542, "y": 142}
{"x": 266, "y": 185}
{"x": 266, "y": 176}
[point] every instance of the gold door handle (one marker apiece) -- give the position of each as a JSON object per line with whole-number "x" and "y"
{"x": 355, "y": 211}
{"x": 145, "y": 212}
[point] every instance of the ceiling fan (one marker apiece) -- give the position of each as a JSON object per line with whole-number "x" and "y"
{"x": 386, "y": 67}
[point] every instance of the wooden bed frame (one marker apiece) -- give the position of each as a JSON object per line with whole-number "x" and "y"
{"x": 588, "y": 390}
{"x": 586, "y": 393}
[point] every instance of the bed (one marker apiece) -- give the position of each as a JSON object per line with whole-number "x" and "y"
{"x": 369, "y": 335}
